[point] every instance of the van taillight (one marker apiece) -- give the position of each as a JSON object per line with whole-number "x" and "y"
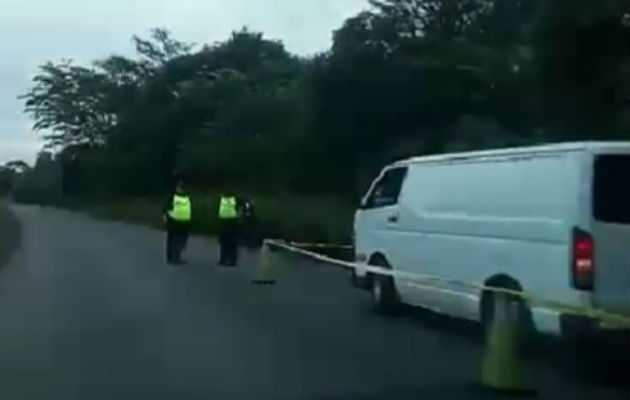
{"x": 582, "y": 263}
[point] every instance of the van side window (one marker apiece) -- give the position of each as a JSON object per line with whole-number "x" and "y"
{"x": 611, "y": 193}
{"x": 387, "y": 189}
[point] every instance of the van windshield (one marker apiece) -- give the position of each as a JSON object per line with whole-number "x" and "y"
{"x": 611, "y": 189}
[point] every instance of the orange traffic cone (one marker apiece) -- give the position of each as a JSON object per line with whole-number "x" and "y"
{"x": 264, "y": 273}
{"x": 502, "y": 365}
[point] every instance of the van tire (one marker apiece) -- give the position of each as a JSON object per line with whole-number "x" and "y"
{"x": 384, "y": 294}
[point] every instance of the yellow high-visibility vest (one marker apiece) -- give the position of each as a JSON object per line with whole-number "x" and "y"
{"x": 181, "y": 210}
{"x": 227, "y": 208}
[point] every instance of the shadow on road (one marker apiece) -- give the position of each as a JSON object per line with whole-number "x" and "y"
{"x": 598, "y": 366}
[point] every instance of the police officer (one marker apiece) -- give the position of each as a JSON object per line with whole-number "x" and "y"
{"x": 249, "y": 223}
{"x": 228, "y": 229}
{"x": 177, "y": 214}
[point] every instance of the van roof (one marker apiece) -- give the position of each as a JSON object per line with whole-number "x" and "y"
{"x": 515, "y": 151}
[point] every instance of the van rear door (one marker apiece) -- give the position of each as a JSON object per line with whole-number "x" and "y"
{"x": 611, "y": 232}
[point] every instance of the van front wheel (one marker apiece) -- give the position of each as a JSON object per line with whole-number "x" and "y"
{"x": 384, "y": 294}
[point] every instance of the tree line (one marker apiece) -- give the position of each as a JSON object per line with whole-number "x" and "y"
{"x": 403, "y": 77}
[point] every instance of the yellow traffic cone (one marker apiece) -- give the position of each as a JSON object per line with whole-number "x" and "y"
{"x": 264, "y": 273}
{"x": 502, "y": 368}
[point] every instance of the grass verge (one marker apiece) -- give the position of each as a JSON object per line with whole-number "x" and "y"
{"x": 9, "y": 233}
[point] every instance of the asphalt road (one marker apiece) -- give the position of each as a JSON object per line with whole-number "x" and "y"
{"x": 89, "y": 310}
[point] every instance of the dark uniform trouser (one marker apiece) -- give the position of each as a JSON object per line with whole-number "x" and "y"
{"x": 176, "y": 238}
{"x": 249, "y": 234}
{"x": 228, "y": 241}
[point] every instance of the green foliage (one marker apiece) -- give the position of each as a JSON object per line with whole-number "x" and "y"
{"x": 7, "y": 179}
{"x": 280, "y": 215}
{"x": 10, "y": 173}
{"x": 404, "y": 77}
{"x": 584, "y": 66}
{"x": 40, "y": 184}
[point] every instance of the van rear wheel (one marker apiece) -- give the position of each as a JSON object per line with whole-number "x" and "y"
{"x": 384, "y": 294}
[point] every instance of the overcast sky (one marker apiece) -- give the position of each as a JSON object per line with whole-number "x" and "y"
{"x": 34, "y": 31}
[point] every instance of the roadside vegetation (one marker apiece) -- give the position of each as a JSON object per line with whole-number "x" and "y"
{"x": 287, "y": 216}
{"x": 298, "y": 218}
{"x": 303, "y": 136}
{"x": 9, "y": 233}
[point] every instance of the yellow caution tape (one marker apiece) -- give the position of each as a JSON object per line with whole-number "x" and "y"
{"x": 605, "y": 318}
{"x": 320, "y": 245}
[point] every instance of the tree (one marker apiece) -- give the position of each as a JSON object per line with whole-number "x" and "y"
{"x": 40, "y": 184}
{"x": 67, "y": 102}
{"x": 583, "y": 65}
{"x": 443, "y": 19}
{"x": 10, "y": 173}
{"x": 7, "y": 178}
{"x": 405, "y": 77}
{"x": 17, "y": 166}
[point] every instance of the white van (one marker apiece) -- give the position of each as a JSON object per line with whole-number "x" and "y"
{"x": 553, "y": 221}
